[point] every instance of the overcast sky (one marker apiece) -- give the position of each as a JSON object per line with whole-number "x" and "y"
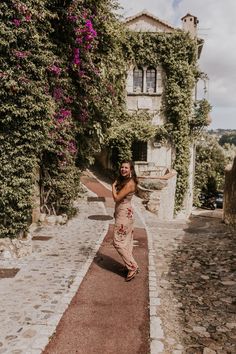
{"x": 217, "y": 26}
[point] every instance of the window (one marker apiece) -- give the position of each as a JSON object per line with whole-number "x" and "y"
{"x": 138, "y": 80}
{"x": 139, "y": 151}
{"x": 151, "y": 80}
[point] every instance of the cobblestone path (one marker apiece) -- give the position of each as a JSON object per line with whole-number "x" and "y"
{"x": 195, "y": 265}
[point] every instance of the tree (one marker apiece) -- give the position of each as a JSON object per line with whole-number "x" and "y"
{"x": 228, "y": 138}
{"x": 211, "y": 160}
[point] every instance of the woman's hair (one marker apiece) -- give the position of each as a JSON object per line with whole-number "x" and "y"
{"x": 121, "y": 180}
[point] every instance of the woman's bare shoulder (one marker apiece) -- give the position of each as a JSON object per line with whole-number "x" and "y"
{"x": 132, "y": 185}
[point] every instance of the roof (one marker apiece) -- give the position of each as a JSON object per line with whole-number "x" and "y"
{"x": 187, "y": 15}
{"x": 148, "y": 14}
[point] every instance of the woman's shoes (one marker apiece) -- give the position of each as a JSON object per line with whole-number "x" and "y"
{"x": 132, "y": 274}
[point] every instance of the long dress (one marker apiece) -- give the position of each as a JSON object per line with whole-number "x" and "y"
{"x": 124, "y": 230}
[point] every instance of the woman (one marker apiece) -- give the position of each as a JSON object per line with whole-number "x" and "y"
{"x": 122, "y": 191}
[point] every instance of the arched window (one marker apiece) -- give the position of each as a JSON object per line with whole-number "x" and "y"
{"x": 138, "y": 80}
{"x": 151, "y": 76}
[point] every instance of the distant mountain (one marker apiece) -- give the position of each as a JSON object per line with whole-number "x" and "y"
{"x": 221, "y": 131}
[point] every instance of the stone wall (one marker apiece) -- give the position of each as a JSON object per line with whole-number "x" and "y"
{"x": 159, "y": 201}
{"x": 229, "y": 211}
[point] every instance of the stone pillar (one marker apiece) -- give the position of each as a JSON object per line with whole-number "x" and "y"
{"x": 229, "y": 211}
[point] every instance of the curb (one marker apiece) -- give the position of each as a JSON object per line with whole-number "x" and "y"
{"x": 156, "y": 331}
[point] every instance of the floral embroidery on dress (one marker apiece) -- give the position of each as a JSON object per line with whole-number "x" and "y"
{"x": 130, "y": 213}
{"x": 121, "y": 230}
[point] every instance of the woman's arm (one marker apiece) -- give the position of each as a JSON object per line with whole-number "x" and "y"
{"x": 128, "y": 188}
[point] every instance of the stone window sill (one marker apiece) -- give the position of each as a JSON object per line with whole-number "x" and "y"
{"x": 144, "y": 94}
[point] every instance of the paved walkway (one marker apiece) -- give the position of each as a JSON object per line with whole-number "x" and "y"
{"x": 34, "y": 300}
{"x": 191, "y": 281}
{"x": 107, "y": 314}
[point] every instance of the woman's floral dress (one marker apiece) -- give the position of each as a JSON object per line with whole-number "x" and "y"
{"x": 123, "y": 231}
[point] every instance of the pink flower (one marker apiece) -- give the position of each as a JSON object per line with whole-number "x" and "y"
{"x": 62, "y": 115}
{"x": 79, "y": 40}
{"x": 21, "y": 54}
{"x": 88, "y": 46}
{"x": 60, "y": 120}
{"x": 55, "y": 69}
{"x": 57, "y": 93}
{"x": 16, "y": 22}
{"x": 72, "y": 147}
{"x": 83, "y": 117}
{"x": 65, "y": 112}
{"x": 81, "y": 73}
{"x": 76, "y": 59}
{"x": 68, "y": 99}
{"x": 72, "y": 18}
{"x": 28, "y": 18}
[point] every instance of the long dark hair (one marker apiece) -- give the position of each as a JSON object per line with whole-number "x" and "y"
{"x": 121, "y": 180}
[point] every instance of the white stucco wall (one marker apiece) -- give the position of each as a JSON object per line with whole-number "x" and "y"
{"x": 160, "y": 155}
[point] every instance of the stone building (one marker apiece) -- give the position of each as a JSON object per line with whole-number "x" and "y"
{"x": 144, "y": 92}
{"x": 144, "y": 89}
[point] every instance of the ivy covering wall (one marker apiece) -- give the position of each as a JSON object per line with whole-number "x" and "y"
{"x": 176, "y": 53}
{"x": 62, "y": 91}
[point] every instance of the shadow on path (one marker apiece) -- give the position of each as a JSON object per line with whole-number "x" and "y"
{"x": 106, "y": 262}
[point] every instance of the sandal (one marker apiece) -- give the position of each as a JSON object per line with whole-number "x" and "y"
{"x": 132, "y": 274}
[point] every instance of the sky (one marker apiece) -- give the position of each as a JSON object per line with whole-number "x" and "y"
{"x": 218, "y": 59}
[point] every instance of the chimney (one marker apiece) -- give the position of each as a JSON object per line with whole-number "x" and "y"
{"x": 189, "y": 24}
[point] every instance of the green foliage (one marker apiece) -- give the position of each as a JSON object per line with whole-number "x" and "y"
{"x": 200, "y": 116}
{"x": 130, "y": 128}
{"x": 62, "y": 83}
{"x": 229, "y": 138}
{"x": 211, "y": 160}
{"x": 25, "y": 108}
{"x": 176, "y": 54}
{"x": 62, "y": 91}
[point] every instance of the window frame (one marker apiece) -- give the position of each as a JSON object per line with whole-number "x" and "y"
{"x": 152, "y": 79}
{"x": 136, "y": 79}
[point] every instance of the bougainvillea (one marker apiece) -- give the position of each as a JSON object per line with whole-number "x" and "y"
{"x": 63, "y": 73}
{"x": 25, "y": 109}
{"x": 61, "y": 86}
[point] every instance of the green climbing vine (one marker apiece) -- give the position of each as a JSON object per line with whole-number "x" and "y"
{"x": 176, "y": 53}
{"x": 62, "y": 91}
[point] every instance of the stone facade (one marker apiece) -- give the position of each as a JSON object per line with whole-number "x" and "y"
{"x": 229, "y": 211}
{"x": 141, "y": 95}
{"x": 157, "y": 189}
{"x": 150, "y": 100}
